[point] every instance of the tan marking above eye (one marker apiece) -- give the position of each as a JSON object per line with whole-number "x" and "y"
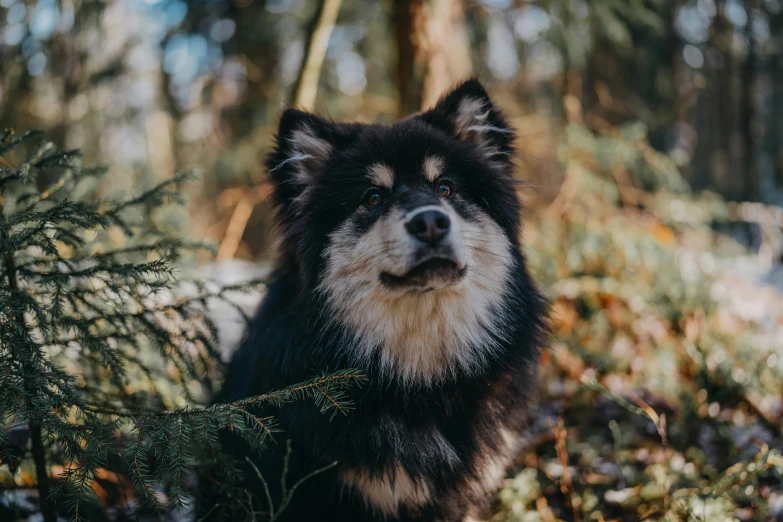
{"x": 381, "y": 175}
{"x": 433, "y": 167}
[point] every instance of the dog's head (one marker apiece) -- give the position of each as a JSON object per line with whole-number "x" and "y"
{"x": 407, "y": 231}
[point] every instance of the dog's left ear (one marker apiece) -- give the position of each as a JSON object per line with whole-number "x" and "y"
{"x": 468, "y": 113}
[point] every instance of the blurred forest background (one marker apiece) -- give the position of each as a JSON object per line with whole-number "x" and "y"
{"x": 651, "y": 136}
{"x": 153, "y": 86}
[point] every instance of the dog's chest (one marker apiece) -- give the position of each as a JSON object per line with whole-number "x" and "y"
{"x": 433, "y": 465}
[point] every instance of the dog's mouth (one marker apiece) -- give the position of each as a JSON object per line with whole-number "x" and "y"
{"x": 436, "y": 272}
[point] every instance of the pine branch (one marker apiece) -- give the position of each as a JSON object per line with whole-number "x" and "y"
{"x": 101, "y": 345}
{"x": 288, "y": 494}
{"x": 313, "y": 388}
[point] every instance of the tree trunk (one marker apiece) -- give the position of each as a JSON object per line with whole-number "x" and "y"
{"x": 42, "y": 474}
{"x": 749, "y": 173}
{"x": 433, "y": 52}
{"x": 714, "y": 163}
{"x": 572, "y": 83}
{"x": 778, "y": 110}
{"x": 775, "y": 106}
{"x": 318, "y": 35}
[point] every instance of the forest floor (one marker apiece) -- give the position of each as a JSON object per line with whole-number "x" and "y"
{"x": 662, "y": 392}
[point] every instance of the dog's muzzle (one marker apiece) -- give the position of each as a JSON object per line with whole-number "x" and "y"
{"x": 435, "y": 264}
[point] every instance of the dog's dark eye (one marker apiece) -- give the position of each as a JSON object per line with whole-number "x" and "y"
{"x": 373, "y": 197}
{"x": 445, "y": 188}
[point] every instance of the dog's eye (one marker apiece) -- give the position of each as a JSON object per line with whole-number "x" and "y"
{"x": 373, "y": 197}
{"x": 445, "y": 188}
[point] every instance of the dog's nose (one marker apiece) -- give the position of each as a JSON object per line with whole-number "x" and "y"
{"x": 429, "y": 226}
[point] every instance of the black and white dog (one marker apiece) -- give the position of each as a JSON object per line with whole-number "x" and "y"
{"x": 400, "y": 255}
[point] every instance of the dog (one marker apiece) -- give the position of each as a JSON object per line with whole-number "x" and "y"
{"x": 400, "y": 256}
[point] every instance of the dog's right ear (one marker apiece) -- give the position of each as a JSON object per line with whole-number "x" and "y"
{"x": 304, "y": 144}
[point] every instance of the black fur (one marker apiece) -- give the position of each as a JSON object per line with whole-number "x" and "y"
{"x": 292, "y": 337}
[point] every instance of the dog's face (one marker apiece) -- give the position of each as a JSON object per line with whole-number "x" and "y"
{"x": 407, "y": 231}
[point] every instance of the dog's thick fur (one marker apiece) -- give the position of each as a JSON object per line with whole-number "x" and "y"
{"x": 448, "y": 334}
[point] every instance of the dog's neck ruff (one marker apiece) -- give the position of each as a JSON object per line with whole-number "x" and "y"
{"x": 425, "y": 338}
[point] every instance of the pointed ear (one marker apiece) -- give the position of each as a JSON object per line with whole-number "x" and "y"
{"x": 304, "y": 143}
{"x": 468, "y": 113}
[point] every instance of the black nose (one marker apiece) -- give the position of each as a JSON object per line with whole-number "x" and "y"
{"x": 430, "y": 226}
